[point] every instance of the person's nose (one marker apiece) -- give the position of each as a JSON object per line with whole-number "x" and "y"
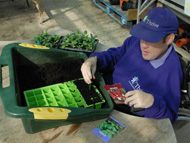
{"x": 144, "y": 44}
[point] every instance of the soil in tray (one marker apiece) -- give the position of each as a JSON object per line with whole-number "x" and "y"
{"x": 30, "y": 77}
{"x": 92, "y": 96}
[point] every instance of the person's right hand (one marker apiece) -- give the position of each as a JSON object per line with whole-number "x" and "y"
{"x": 88, "y": 69}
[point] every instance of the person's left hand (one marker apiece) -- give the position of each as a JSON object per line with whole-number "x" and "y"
{"x": 139, "y": 99}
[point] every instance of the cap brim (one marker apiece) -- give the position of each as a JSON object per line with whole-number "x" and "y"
{"x": 145, "y": 34}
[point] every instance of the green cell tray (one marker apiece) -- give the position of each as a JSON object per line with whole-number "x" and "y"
{"x": 62, "y": 94}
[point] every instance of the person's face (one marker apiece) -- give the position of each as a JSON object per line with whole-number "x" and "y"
{"x": 152, "y": 51}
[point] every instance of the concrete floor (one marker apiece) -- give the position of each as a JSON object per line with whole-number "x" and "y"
{"x": 20, "y": 22}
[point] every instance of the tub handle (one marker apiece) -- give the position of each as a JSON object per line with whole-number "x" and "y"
{"x": 33, "y": 46}
{"x": 50, "y": 113}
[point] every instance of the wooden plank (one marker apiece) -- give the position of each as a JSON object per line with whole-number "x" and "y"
{"x": 159, "y": 4}
{"x": 132, "y": 14}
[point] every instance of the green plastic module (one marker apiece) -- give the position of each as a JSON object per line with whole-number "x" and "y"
{"x": 63, "y": 94}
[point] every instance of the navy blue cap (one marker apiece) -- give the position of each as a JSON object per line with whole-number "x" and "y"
{"x": 157, "y": 23}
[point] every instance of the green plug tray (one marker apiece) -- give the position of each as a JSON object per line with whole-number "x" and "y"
{"x": 63, "y": 94}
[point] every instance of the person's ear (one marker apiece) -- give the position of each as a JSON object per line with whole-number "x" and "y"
{"x": 170, "y": 38}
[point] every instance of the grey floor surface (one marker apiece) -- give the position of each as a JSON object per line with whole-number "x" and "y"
{"x": 18, "y": 22}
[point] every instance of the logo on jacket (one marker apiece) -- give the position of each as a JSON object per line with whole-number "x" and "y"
{"x": 134, "y": 83}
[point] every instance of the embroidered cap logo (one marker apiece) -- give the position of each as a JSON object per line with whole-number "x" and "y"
{"x": 148, "y": 21}
{"x": 145, "y": 18}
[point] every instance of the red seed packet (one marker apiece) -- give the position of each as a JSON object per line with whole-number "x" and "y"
{"x": 117, "y": 92}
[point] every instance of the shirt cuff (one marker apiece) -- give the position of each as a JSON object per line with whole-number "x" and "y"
{"x": 154, "y": 108}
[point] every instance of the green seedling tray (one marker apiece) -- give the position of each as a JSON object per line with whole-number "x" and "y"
{"x": 63, "y": 94}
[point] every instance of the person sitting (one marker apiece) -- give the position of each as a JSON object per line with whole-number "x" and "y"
{"x": 146, "y": 65}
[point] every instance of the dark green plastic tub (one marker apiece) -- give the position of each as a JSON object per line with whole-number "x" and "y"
{"x": 13, "y": 56}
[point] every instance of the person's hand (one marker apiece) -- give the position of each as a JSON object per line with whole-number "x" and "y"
{"x": 139, "y": 99}
{"x": 88, "y": 69}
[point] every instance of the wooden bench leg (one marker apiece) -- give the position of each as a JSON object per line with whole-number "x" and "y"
{"x": 27, "y": 3}
{"x": 38, "y": 5}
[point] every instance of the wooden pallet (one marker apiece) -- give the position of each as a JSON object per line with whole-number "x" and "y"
{"x": 115, "y": 12}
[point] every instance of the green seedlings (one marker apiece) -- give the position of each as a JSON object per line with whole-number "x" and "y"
{"x": 79, "y": 41}
{"x": 48, "y": 40}
{"x": 74, "y": 41}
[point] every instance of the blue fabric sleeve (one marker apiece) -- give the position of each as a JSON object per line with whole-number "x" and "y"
{"x": 107, "y": 59}
{"x": 166, "y": 103}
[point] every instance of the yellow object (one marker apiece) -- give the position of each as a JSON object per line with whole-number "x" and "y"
{"x": 33, "y": 46}
{"x": 50, "y": 113}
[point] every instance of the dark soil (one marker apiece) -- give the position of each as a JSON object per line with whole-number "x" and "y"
{"x": 30, "y": 77}
{"x": 84, "y": 88}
